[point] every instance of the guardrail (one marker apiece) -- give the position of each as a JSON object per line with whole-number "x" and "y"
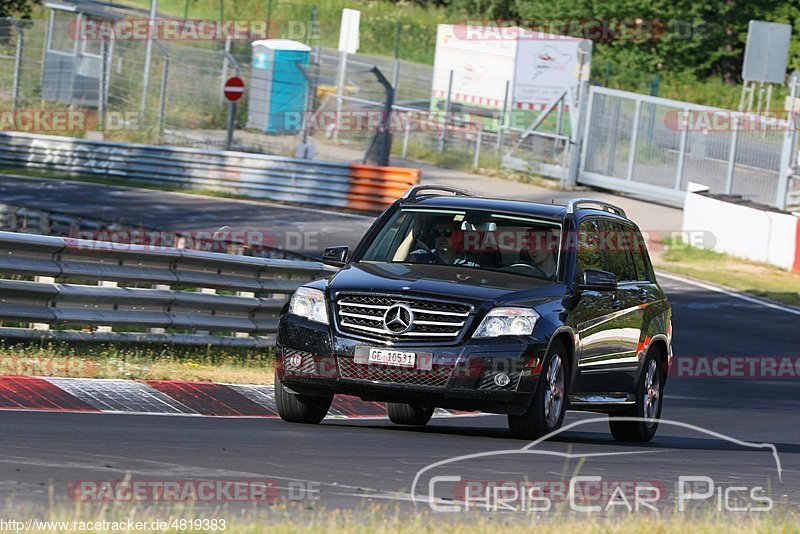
{"x": 82, "y": 290}
{"x": 361, "y": 187}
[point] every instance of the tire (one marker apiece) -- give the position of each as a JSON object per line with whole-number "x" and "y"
{"x": 647, "y": 408}
{"x": 546, "y": 412}
{"x": 300, "y": 408}
{"x": 409, "y": 414}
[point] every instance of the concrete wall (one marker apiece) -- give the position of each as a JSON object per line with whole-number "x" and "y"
{"x": 743, "y": 231}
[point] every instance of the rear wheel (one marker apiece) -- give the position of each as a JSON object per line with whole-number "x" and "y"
{"x": 647, "y": 408}
{"x": 546, "y": 412}
{"x": 300, "y": 408}
{"x": 401, "y": 413}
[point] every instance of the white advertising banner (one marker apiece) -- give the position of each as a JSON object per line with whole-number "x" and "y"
{"x": 536, "y": 66}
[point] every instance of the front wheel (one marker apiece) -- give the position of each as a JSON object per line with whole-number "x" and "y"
{"x": 546, "y": 413}
{"x": 647, "y": 409}
{"x": 300, "y": 408}
{"x": 401, "y": 413}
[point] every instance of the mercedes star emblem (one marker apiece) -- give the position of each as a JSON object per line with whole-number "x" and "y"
{"x": 398, "y": 319}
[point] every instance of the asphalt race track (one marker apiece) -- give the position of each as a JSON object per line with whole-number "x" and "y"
{"x": 305, "y": 230}
{"x": 357, "y": 462}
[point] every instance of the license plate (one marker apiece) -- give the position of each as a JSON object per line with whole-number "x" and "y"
{"x": 392, "y": 357}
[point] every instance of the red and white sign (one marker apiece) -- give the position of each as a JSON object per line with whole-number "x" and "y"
{"x": 234, "y": 88}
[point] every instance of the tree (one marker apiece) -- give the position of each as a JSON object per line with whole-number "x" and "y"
{"x": 17, "y": 8}
{"x": 700, "y": 37}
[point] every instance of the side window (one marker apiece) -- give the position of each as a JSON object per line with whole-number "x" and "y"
{"x": 640, "y": 257}
{"x": 590, "y": 253}
{"x": 618, "y": 242}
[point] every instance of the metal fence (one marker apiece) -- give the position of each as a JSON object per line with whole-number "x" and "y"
{"x": 82, "y": 290}
{"x": 627, "y": 142}
{"x": 654, "y": 146}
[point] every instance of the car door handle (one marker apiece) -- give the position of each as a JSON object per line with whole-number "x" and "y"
{"x": 615, "y": 303}
{"x": 644, "y": 296}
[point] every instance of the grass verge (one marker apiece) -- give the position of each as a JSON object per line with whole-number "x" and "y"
{"x": 137, "y": 362}
{"x": 750, "y": 277}
{"x": 297, "y": 517}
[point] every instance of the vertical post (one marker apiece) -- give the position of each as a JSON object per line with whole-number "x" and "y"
{"x": 148, "y": 56}
{"x": 732, "y": 156}
{"x": 476, "y": 161}
{"x": 231, "y": 119}
{"x": 577, "y": 148}
{"x": 17, "y": 70}
{"x": 405, "y": 140}
{"x": 396, "y": 72}
{"x": 162, "y": 105}
{"x": 340, "y": 81}
{"x": 760, "y": 96}
{"x": 612, "y": 148}
{"x": 769, "y": 100}
{"x": 502, "y": 128}
{"x": 186, "y": 11}
{"x": 744, "y": 94}
{"x": 443, "y": 138}
{"x": 312, "y": 22}
{"x": 789, "y": 144}
{"x": 269, "y": 16}
{"x": 634, "y": 139}
{"x": 224, "y": 74}
{"x": 559, "y": 123}
{"x": 682, "y": 154}
{"x": 102, "y": 87}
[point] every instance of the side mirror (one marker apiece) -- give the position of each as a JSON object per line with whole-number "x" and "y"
{"x": 335, "y": 255}
{"x": 598, "y": 280}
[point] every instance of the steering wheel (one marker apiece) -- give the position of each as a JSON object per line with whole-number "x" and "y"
{"x": 525, "y": 265}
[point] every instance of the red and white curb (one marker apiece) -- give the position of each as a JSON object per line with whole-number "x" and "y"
{"x": 165, "y": 397}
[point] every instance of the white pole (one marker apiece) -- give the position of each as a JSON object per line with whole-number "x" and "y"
{"x": 148, "y": 55}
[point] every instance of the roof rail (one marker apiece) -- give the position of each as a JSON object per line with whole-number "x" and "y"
{"x": 573, "y": 205}
{"x": 414, "y": 191}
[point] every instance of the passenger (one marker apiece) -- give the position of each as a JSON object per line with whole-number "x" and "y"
{"x": 541, "y": 254}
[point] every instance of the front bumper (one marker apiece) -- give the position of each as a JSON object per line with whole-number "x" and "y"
{"x": 312, "y": 360}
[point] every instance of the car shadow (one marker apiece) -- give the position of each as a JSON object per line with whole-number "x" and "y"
{"x": 661, "y": 441}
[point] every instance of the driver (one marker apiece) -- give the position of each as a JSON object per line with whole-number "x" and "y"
{"x": 445, "y": 249}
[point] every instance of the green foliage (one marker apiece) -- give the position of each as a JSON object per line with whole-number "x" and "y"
{"x": 17, "y": 8}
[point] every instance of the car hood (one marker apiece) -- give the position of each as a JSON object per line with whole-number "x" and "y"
{"x": 445, "y": 281}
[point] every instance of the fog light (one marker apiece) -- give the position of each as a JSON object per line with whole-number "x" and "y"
{"x": 295, "y": 360}
{"x": 501, "y": 379}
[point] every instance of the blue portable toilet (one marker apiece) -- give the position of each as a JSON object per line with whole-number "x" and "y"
{"x": 278, "y": 86}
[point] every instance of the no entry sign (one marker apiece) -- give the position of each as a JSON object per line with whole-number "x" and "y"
{"x": 234, "y": 88}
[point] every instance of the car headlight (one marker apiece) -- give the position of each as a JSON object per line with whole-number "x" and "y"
{"x": 309, "y": 303}
{"x": 507, "y": 322}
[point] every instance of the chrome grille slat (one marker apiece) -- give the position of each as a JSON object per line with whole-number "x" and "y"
{"x": 360, "y": 316}
{"x": 363, "y": 314}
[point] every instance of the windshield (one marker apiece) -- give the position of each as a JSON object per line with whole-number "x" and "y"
{"x": 470, "y": 238}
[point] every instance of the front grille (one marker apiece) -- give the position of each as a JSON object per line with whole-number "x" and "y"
{"x": 433, "y": 320}
{"x": 436, "y": 377}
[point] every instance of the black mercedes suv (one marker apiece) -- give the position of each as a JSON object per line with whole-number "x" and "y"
{"x": 468, "y": 303}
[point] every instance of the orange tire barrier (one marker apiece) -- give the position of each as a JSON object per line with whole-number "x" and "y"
{"x": 372, "y": 188}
